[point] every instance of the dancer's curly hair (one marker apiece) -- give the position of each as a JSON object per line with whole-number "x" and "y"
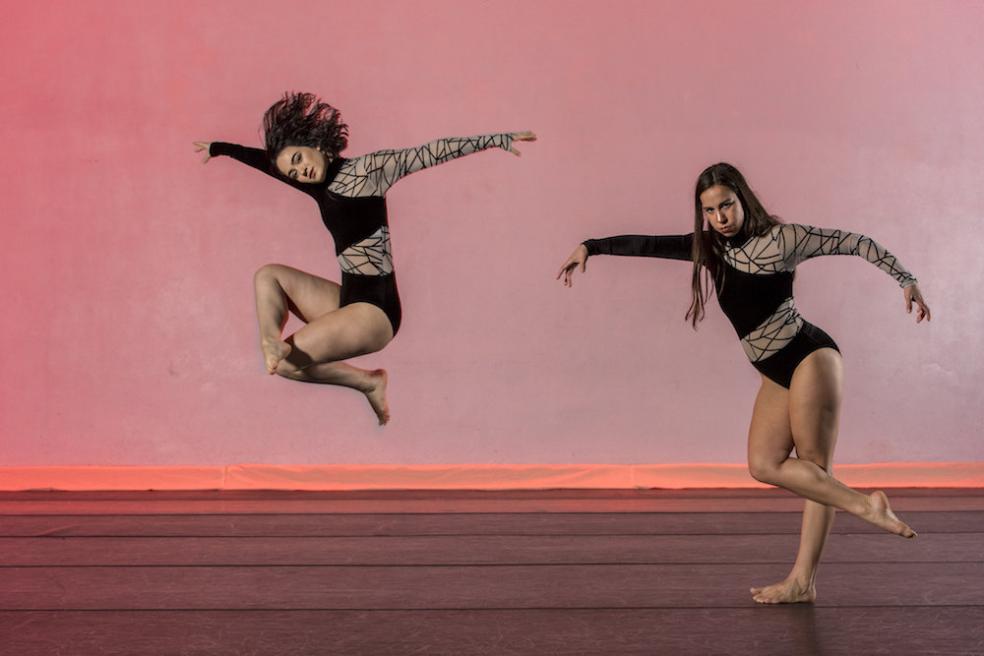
{"x": 301, "y": 119}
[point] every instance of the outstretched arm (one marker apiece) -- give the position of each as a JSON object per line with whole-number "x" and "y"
{"x": 801, "y": 242}
{"x": 385, "y": 167}
{"x": 675, "y": 247}
{"x": 255, "y": 157}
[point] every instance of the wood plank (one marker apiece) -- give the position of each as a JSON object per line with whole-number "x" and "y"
{"x": 456, "y": 587}
{"x": 340, "y": 506}
{"x": 479, "y": 550}
{"x": 409, "y": 524}
{"x": 800, "y": 630}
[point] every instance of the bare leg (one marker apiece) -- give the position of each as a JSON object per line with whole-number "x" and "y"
{"x": 817, "y": 521}
{"x": 800, "y": 584}
{"x": 814, "y": 415}
{"x": 311, "y": 354}
{"x": 281, "y": 288}
{"x": 769, "y": 464}
{"x": 348, "y": 332}
{"x": 372, "y": 383}
{"x": 813, "y": 403}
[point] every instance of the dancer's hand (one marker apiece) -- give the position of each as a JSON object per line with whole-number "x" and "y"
{"x": 578, "y": 259}
{"x": 521, "y": 136}
{"x": 200, "y": 146}
{"x": 913, "y": 295}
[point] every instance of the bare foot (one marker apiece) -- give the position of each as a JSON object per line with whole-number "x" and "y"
{"x": 789, "y": 591}
{"x": 880, "y": 514}
{"x": 376, "y": 394}
{"x": 273, "y": 352}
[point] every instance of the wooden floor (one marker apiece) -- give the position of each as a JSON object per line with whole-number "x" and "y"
{"x": 461, "y": 573}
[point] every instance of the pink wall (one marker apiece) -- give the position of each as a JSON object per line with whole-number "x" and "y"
{"x": 128, "y": 332}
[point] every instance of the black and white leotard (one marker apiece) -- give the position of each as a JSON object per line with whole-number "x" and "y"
{"x": 755, "y": 289}
{"x": 353, "y": 207}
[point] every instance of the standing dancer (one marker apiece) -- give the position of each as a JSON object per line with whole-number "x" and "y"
{"x": 304, "y": 138}
{"x": 749, "y": 257}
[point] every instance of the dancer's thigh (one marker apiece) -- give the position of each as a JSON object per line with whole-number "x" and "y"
{"x": 347, "y": 332}
{"x": 308, "y": 296}
{"x": 814, "y": 406}
{"x": 770, "y": 439}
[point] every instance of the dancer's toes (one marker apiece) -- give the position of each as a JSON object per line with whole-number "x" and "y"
{"x": 789, "y": 591}
{"x": 880, "y": 514}
{"x": 273, "y": 352}
{"x": 376, "y": 394}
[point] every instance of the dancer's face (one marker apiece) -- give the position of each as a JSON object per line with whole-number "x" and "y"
{"x": 722, "y": 209}
{"x": 302, "y": 164}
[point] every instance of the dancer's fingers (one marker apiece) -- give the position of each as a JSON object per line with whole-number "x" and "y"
{"x": 914, "y": 296}
{"x": 923, "y": 312}
{"x": 203, "y": 146}
{"x": 565, "y": 267}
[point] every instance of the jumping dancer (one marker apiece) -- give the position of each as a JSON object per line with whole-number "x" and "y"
{"x": 304, "y": 138}
{"x": 749, "y": 257}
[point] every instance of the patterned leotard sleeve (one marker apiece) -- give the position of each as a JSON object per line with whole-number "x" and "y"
{"x": 802, "y": 242}
{"x": 374, "y": 173}
{"x": 258, "y": 159}
{"x": 673, "y": 247}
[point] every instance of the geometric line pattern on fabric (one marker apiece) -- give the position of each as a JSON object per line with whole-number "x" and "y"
{"x": 370, "y": 257}
{"x": 774, "y": 333}
{"x": 374, "y": 173}
{"x": 786, "y": 245}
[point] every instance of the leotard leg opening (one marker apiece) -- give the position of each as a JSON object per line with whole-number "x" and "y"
{"x": 780, "y": 366}
{"x": 380, "y": 291}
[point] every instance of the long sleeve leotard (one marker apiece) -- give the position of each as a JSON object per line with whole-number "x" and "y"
{"x": 755, "y": 285}
{"x": 353, "y": 207}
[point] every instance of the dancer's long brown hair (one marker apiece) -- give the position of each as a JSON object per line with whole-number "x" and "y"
{"x": 709, "y": 244}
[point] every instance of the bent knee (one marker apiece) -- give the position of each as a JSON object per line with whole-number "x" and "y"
{"x": 763, "y": 471}
{"x": 268, "y": 272}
